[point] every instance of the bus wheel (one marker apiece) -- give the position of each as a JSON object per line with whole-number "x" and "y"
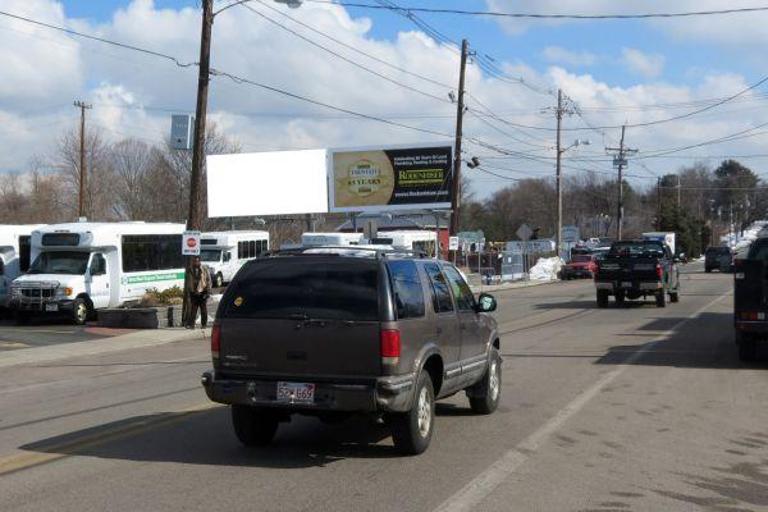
{"x": 79, "y": 312}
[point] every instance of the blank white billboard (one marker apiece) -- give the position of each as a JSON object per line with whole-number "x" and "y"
{"x": 271, "y": 183}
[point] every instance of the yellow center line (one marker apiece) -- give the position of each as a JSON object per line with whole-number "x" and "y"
{"x": 45, "y": 454}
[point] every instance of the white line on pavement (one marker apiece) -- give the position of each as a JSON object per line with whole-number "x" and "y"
{"x": 472, "y": 494}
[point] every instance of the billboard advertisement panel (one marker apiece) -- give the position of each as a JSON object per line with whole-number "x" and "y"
{"x": 392, "y": 178}
{"x": 270, "y": 183}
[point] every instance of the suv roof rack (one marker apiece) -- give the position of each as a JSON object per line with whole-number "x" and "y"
{"x": 379, "y": 253}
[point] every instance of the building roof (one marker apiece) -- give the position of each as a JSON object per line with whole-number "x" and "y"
{"x": 419, "y": 221}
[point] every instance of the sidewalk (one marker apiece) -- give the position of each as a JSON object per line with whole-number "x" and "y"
{"x": 138, "y": 339}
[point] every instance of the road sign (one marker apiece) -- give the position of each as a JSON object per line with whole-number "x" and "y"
{"x": 453, "y": 243}
{"x": 570, "y": 234}
{"x": 190, "y": 243}
{"x": 524, "y": 232}
{"x": 182, "y": 127}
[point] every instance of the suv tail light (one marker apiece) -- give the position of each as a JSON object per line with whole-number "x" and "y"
{"x": 215, "y": 341}
{"x": 390, "y": 346}
{"x": 659, "y": 272}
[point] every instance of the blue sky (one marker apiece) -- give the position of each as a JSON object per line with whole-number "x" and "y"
{"x": 684, "y": 60}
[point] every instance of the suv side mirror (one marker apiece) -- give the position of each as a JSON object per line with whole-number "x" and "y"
{"x": 486, "y": 303}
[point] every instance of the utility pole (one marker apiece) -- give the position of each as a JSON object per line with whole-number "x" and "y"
{"x": 81, "y": 208}
{"x": 558, "y": 172}
{"x": 658, "y": 203}
{"x": 194, "y": 217}
{"x": 456, "y": 184}
{"x": 620, "y": 161}
{"x": 679, "y": 190}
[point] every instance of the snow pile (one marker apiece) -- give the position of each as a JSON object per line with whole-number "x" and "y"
{"x": 738, "y": 241}
{"x": 546, "y": 269}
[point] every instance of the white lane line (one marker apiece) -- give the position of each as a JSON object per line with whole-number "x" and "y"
{"x": 472, "y": 494}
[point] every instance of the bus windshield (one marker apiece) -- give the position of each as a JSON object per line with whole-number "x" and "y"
{"x": 210, "y": 255}
{"x": 60, "y": 262}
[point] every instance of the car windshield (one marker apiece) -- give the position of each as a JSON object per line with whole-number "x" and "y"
{"x": 60, "y": 262}
{"x": 210, "y": 255}
{"x": 318, "y": 287}
{"x": 582, "y": 258}
{"x": 635, "y": 249}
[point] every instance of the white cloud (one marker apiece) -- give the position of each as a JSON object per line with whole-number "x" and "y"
{"x": 560, "y": 55}
{"x": 644, "y": 64}
{"x": 130, "y": 91}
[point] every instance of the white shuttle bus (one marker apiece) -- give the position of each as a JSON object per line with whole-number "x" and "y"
{"x": 82, "y": 267}
{"x": 408, "y": 240}
{"x": 224, "y": 252}
{"x": 331, "y": 239}
{"x": 15, "y": 247}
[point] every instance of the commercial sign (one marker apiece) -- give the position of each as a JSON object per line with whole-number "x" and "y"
{"x": 190, "y": 243}
{"x": 453, "y": 243}
{"x": 385, "y": 179}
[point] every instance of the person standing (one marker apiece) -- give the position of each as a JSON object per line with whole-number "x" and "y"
{"x": 199, "y": 291}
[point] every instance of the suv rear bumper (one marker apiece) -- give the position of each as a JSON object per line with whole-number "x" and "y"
{"x": 383, "y": 394}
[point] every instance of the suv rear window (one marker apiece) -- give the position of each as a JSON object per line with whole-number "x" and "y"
{"x": 409, "y": 296}
{"x": 328, "y": 288}
{"x": 718, "y": 251}
{"x": 637, "y": 249}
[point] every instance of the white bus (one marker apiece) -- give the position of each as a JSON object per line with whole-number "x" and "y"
{"x": 82, "y": 267}
{"x": 14, "y": 255}
{"x": 408, "y": 240}
{"x": 224, "y": 252}
{"x": 331, "y": 239}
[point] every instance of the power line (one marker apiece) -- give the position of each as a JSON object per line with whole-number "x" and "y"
{"x": 346, "y": 59}
{"x": 464, "y": 12}
{"x": 99, "y": 39}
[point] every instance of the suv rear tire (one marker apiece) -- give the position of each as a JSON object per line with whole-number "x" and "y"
{"x": 602, "y": 298}
{"x": 484, "y": 396}
{"x": 253, "y": 427}
{"x": 661, "y": 300}
{"x": 412, "y": 430}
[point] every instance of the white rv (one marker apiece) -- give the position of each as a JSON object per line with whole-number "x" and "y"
{"x": 331, "y": 239}
{"x": 408, "y": 240}
{"x": 14, "y": 255}
{"x": 224, "y": 252}
{"x": 81, "y": 267}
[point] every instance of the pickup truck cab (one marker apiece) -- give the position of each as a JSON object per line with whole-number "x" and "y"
{"x": 331, "y": 332}
{"x": 751, "y": 299}
{"x": 634, "y": 269}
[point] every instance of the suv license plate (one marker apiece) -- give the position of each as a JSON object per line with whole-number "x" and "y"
{"x": 626, "y": 284}
{"x": 51, "y": 307}
{"x": 295, "y": 392}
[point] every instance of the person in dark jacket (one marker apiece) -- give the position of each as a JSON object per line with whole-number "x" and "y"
{"x": 199, "y": 289}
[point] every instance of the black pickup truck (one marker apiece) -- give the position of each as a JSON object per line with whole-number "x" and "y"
{"x": 638, "y": 268}
{"x": 751, "y": 299}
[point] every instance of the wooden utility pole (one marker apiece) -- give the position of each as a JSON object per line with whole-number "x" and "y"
{"x": 658, "y": 203}
{"x": 456, "y": 184}
{"x": 620, "y": 161}
{"x": 195, "y": 216}
{"x": 81, "y": 208}
{"x": 558, "y": 171}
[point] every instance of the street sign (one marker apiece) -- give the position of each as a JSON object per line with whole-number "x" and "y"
{"x": 570, "y": 234}
{"x": 190, "y": 243}
{"x": 182, "y": 127}
{"x": 524, "y": 232}
{"x": 453, "y": 243}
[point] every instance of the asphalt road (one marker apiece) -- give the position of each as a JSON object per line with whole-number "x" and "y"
{"x": 47, "y": 331}
{"x": 634, "y": 408}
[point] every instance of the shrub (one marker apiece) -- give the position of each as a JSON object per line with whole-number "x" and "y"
{"x": 153, "y": 297}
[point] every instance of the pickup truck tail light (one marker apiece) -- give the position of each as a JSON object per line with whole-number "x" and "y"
{"x": 215, "y": 341}
{"x": 390, "y": 346}
{"x": 659, "y": 272}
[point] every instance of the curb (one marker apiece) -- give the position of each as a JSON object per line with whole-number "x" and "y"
{"x": 511, "y": 286}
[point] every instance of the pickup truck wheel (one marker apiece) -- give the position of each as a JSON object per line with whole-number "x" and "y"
{"x": 21, "y": 317}
{"x": 253, "y": 427}
{"x": 79, "y": 312}
{"x": 747, "y": 346}
{"x": 484, "y": 396}
{"x": 708, "y": 270}
{"x": 602, "y": 298}
{"x": 674, "y": 297}
{"x": 620, "y": 298}
{"x": 661, "y": 300}
{"x": 412, "y": 430}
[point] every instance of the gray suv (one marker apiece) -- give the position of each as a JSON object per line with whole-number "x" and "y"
{"x": 332, "y": 332}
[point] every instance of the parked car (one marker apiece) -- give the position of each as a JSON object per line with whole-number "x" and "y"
{"x": 720, "y": 258}
{"x": 750, "y": 312}
{"x": 580, "y": 266}
{"x": 335, "y": 332}
{"x": 638, "y": 268}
